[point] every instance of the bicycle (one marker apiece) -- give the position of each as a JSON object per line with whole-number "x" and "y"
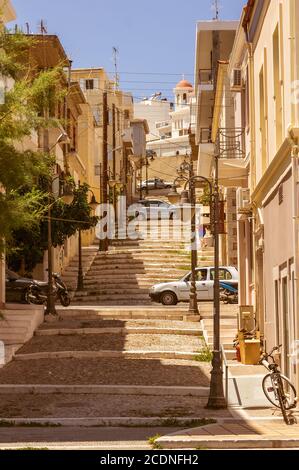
{"x": 277, "y": 388}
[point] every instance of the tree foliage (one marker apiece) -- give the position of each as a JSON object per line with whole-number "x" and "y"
{"x": 26, "y": 93}
{"x": 28, "y": 244}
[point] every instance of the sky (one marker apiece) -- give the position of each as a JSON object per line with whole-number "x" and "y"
{"x": 155, "y": 38}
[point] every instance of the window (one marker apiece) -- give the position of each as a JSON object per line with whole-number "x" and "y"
{"x": 247, "y": 106}
{"x": 262, "y": 121}
{"x": 127, "y": 114}
{"x": 89, "y": 84}
{"x": 224, "y": 275}
{"x": 277, "y": 87}
{"x": 201, "y": 275}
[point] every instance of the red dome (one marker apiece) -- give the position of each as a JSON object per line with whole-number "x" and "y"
{"x": 184, "y": 84}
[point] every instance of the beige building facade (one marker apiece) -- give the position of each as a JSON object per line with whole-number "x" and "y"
{"x": 259, "y": 83}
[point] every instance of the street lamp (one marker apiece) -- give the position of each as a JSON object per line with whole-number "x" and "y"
{"x": 80, "y": 281}
{"x": 150, "y": 155}
{"x": 216, "y": 397}
{"x": 67, "y": 197}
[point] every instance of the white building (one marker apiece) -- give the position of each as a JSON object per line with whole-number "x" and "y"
{"x": 154, "y": 109}
{"x": 173, "y": 132}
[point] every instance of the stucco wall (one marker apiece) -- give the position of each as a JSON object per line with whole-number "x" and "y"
{"x": 278, "y": 252}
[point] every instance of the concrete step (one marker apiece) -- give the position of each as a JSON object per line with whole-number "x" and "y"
{"x": 112, "y": 297}
{"x": 112, "y": 291}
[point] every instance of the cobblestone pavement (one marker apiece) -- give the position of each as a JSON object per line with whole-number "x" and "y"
{"x": 90, "y": 406}
{"x": 113, "y": 342}
{"x": 107, "y": 372}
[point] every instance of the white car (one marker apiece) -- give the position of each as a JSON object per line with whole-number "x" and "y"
{"x": 155, "y": 210}
{"x": 171, "y": 293}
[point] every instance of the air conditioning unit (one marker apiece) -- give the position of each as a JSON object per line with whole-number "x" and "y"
{"x": 236, "y": 80}
{"x": 243, "y": 201}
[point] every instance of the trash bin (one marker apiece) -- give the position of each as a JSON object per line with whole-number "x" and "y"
{"x": 250, "y": 351}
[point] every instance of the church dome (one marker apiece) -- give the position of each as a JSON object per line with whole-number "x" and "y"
{"x": 184, "y": 84}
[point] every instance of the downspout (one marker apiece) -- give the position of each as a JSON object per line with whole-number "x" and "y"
{"x": 294, "y": 59}
{"x": 252, "y": 266}
{"x": 295, "y": 205}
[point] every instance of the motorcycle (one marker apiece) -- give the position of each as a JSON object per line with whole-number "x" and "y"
{"x": 228, "y": 293}
{"x": 37, "y": 293}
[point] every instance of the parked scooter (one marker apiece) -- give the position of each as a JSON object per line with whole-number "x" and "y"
{"x": 38, "y": 292}
{"x": 228, "y": 293}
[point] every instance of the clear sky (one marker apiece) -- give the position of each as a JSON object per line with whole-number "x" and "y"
{"x": 154, "y": 37}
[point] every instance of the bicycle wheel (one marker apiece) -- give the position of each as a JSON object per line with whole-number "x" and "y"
{"x": 272, "y": 387}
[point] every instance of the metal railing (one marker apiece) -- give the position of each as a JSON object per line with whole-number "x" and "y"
{"x": 231, "y": 143}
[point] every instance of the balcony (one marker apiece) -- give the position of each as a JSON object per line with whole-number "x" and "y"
{"x": 230, "y": 143}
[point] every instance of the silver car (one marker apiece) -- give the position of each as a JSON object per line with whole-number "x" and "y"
{"x": 171, "y": 293}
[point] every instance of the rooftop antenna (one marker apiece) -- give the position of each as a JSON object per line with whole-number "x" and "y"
{"x": 216, "y": 8}
{"x": 116, "y": 74}
{"x": 42, "y": 27}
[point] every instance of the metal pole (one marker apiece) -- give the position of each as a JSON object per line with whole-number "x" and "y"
{"x": 80, "y": 283}
{"x": 146, "y": 174}
{"x": 50, "y": 309}
{"x": 193, "y": 305}
{"x": 216, "y": 399}
{"x": 104, "y": 243}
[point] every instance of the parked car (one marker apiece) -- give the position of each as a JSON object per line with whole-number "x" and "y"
{"x": 171, "y": 293}
{"x": 18, "y": 287}
{"x": 155, "y": 183}
{"x": 155, "y": 209}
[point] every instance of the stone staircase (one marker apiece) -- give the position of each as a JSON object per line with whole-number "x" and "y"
{"x": 124, "y": 274}
{"x": 228, "y": 325}
{"x": 70, "y": 273}
{"x": 109, "y": 366}
{"x": 17, "y": 326}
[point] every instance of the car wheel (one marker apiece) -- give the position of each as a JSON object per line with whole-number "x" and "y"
{"x": 169, "y": 298}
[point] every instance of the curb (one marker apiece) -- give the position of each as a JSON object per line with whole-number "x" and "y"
{"x": 224, "y": 442}
{"x": 101, "y": 422}
{"x": 107, "y": 354}
{"x": 123, "y": 331}
{"x": 106, "y": 390}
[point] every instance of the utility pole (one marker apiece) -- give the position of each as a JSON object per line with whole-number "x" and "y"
{"x": 104, "y": 243}
{"x": 114, "y": 156}
{"x": 116, "y": 76}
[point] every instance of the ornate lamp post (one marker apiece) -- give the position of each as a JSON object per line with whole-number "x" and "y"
{"x": 67, "y": 196}
{"x": 216, "y": 397}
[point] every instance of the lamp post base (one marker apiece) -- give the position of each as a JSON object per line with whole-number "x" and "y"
{"x": 193, "y": 306}
{"x": 217, "y": 400}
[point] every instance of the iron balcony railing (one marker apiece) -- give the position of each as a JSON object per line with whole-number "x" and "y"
{"x": 231, "y": 143}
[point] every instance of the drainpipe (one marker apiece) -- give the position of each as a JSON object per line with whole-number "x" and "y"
{"x": 252, "y": 162}
{"x": 295, "y": 204}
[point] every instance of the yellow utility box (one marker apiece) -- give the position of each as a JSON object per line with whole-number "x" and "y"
{"x": 250, "y": 350}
